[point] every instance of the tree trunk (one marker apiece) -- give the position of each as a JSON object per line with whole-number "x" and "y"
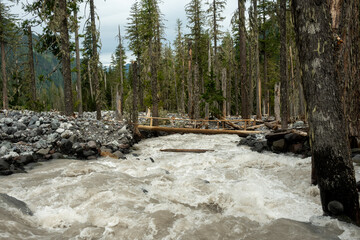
{"x": 328, "y": 133}
{"x": 277, "y": 101}
{"x": 283, "y": 66}
{"x": 223, "y": 84}
{"x": 266, "y": 83}
{"x": 251, "y": 83}
{"x": 244, "y": 81}
{"x": 95, "y": 59}
{"x": 78, "y": 68}
{"x": 4, "y": 78}
{"x": 31, "y": 68}
{"x": 65, "y": 57}
{"x": 135, "y": 78}
{"x": 182, "y": 96}
{"x": 196, "y": 99}
{"x": 257, "y": 65}
{"x": 121, "y": 93}
{"x": 154, "y": 87}
{"x": 190, "y": 85}
{"x": 345, "y": 16}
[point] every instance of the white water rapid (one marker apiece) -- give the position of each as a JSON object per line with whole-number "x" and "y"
{"x": 228, "y": 193}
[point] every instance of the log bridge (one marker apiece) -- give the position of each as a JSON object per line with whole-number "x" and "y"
{"x": 196, "y": 126}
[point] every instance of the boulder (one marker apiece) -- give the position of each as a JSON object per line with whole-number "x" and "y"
{"x": 118, "y": 154}
{"x": 7, "y": 121}
{"x": 26, "y": 159}
{"x": 67, "y": 134}
{"x": 20, "y": 126}
{"x": 55, "y": 124}
{"x": 57, "y": 156}
{"x": 92, "y": 144}
{"x": 15, "y": 203}
{"x": 66, "y": 146}
{"x": 279, "y": 145}
{"x": 43, "y": 152}
{"x": 4, "y": 165}
{"x": 88, "y": 153}
{"x": 296, "y": 148}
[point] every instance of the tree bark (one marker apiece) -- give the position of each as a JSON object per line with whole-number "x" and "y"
{"x": 95, "y": 59}
{"x": 277, "y": 101}
{"x": 223, "y": 86}
{"x": 4, "y": 77}
{"x": 78, "y": 68}
{"x": 345, "y": 24}
{"x": 121, "y": 93}
{"x": 328, "y": 132}
{"x": 283, "y": 66}
{"x": 190, "y": 85}
{"x": 65, "y": 57}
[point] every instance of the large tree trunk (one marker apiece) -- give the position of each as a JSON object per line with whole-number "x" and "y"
{"x": 328, "y": 132}
{"x": 154, "y": 87}
{"x": 244, "y": 81}
{"x": 95, "y": 59}
{"x": 345, "y": 16}
{"x": 78, "y": 69}
{"x": 31, "y": 67}
{"x": 283, "y": 66}
{"x": 65, "y": 57}
{"x": 251, "y": 83}
{"x": 196, "y": 100}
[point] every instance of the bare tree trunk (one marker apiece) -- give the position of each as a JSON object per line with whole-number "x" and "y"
{"x": 223, "y": 81}
{"x": 31, "y": 67}
{"x": 90, "y": 82}
{"x": 251, "y": 83}
{"x": 78, "y": 69}
{"x": 121, "y": 94}
{"x": 65, "y": 57}
{"x": 190, "y": 85}
{"x": 328, "y": 133}
{"x": 283, "y": 66}
{"x": 95, "y": 59}
{"x": 257, "y": 70}
{"x": 196, "y": 100}
{"x": 244, "y": 80}
{"x": 182, "y": 96}
{"x": 266, "y": 82}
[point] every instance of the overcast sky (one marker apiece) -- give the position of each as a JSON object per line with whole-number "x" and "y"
{"x": 115, "y": 12}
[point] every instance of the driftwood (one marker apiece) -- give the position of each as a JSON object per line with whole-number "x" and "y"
{"x": 187, "y": 150}
{"x": 279, "y": 135}
{"x": 230, "y": 124}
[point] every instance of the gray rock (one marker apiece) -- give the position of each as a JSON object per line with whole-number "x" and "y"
{"x": 20, "y": 126}
{"x": 279, "y": 145}
{"x": 299, "y": 124}
{"x": 51, "y": 138}
{"x": 41, "y": 144}
{"x": 15, "y": 203}
{"x": 8, "y": 121}
{"x": 336, "y": 208}
{"x": 92, "y": 144}
{"x": 57, "y": 156}
{"x": 4, "y": 165}
{"x": 11, "y": 155}
{"x": 65, "y": 146}
{"x": 356, "y": 159}
{"x": 60, "y": 130}
{"x": 55, "y": 124}
{"x": 26, "y": 159}
{"x": 43, "y": 151}
{"x": 118, "y": 154}
{"x": 3, "y": 150}
{"x": 88, "y": 153}
{"x": 33, "y": 120}
{"x": 67, "y": 134}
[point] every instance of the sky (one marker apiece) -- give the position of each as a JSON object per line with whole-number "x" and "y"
{"x": 113, "y": 13}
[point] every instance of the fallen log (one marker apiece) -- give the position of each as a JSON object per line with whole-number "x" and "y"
{"x": 272, "y": 125}
{"x": 187, "y": 150}
{"x": 241, "y": 133}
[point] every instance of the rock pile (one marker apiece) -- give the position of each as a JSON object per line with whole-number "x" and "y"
{"x": 27, "y": 137}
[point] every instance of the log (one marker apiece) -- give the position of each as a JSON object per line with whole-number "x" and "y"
{"x": 272, "y": 125}
{"x": 241, "y": 133}
{"x": 187, "y": 150}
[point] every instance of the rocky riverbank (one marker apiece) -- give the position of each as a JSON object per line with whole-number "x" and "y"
{"x": 28, "y": 137}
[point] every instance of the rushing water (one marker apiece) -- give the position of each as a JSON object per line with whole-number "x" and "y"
{"x": 228, "y": 193}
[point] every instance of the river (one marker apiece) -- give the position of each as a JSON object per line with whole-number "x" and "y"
{"x": 228, "y": 193}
